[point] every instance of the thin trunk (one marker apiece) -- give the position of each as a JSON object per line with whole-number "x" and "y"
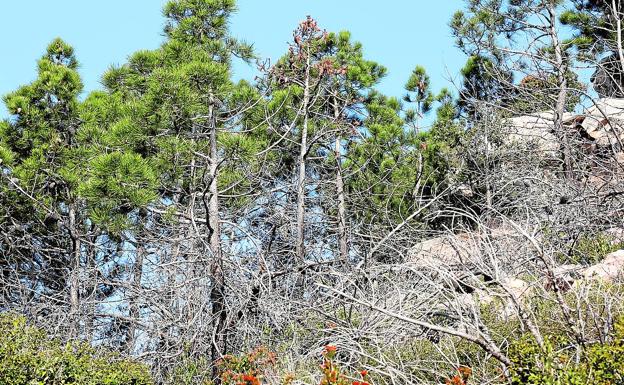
{"x": 74, "y": 293}
{"x": 488, "y": 167}
{"x": 134, "y": 297}
{"x": 416, "y": 192}
{"x": 91, "y": 254}
{"x": 562, "y": 85}
{"x": 301, "y": 181}
{"x": 343, "y": 245}
{"x": 618, "y": 26}
{"x": 217, "y": 293}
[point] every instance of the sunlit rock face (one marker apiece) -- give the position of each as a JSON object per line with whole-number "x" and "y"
{"x": 609, "y": 269}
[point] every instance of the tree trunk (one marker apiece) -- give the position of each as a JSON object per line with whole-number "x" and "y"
{"x": 301, "y": 181}
{"x": 343, "y": 245}
{"x": 74, "y": 287}
{"x": 417, "y": 191}
{"x": 562, "y": 86}
{"x": 135, "y": 292}
{"x": 618, "y": 31}
{"x": 217, "y": 293}
{"x": 91, "y": 255}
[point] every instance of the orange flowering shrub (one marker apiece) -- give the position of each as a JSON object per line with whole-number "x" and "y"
{"x": 331, "y": 372}
{"x": 364, "y": 374}
{"x": 246, "y": 369}
{"x": 250, "y": 369}
{"x": 461, "y": 378}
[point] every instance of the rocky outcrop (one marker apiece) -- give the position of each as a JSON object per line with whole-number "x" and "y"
{"x": 608, "y": 270}
{"x": 457, "y": 249}
{"x": 448, "y": 250}
{"x": 535, "y": 130}
{"x": 615, "y": 235}
{"x": 516, "y": 287}
{"x": 601, "y": 125}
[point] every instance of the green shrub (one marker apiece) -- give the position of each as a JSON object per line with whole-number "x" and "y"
{"x": 29, "y": 357}
{"x": 591, "y": 249}
{"x": 598, "y": 364}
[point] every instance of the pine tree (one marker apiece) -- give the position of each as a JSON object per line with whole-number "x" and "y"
{"x": 41, "y": 161}
{"x": 175, "y": 111}
{"x": 349, "y": 79}
{"x": 338, "y": 79}
{"x": 419, "y": 93}
{"x": 483, "y": 84}
{"x": 382, "y": 188}
{"x": 442, "y": 144}
{"x": 298, "y": 105}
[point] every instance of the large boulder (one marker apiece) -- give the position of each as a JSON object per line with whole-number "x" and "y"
{"x": 615, "y": 235}
{"x": 609, "y": 269}
{"x": 516, "y": 287}
{"x": 603, "y": 122}
{"x": 464, "y": 248}
{"x": 535, "y": 130}
{"x": 447, "y": 250}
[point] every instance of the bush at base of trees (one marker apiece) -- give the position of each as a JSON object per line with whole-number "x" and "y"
{"x": 599, "y": 364}
{"x": 29, "y": 357}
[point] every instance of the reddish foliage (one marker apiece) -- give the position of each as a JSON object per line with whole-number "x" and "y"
{"x": 249, "y": 369}
{"x": 461, "y": 378}
{"x": 249, "y": 379}
{"x": 246, "y": 369}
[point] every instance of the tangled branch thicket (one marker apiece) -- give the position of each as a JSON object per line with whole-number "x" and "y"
{"x": 234, "y": 233}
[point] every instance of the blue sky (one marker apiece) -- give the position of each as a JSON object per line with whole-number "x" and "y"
{"x": 396, "y": 33}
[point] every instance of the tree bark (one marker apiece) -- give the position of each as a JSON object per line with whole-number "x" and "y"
{"x": 301, "y": 180}
{"x": 562, "y": 95}
{"x": 135, "y": 311}
{"x": 343, "y": 243}
{"x": 74, "y": 287}
{"x": 217, "y": 293}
